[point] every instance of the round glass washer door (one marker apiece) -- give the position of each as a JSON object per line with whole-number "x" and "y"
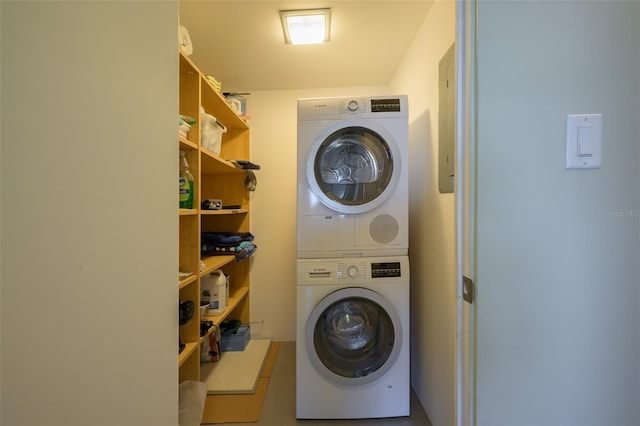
{"x": 352, "y": 168}
{"x": 353, "y": 336}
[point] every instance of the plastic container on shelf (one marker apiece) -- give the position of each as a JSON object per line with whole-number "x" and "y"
{"x": 214, "y": 289}
{"x": 183, "y": 129}
{"x": 184, "y": 125}
{"x": 211, "y": 132}
{"x": 185, "y": 183}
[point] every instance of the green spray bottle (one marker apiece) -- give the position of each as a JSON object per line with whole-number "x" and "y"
{"x": 186, "y": 183}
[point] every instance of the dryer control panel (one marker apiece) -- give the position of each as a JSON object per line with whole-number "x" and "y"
{"x": 366, "y": 270}
{"x": 365, "y": 107}
{"x": 385, "y": 105}
{"x": 385, "y": 270}
{"x": 360, "y": 106}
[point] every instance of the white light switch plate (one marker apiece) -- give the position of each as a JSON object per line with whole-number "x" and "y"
{"x": 584, "y": 141}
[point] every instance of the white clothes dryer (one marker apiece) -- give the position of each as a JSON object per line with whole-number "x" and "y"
{"x": 353, "y": 177}
{"x": 352, "y": 346}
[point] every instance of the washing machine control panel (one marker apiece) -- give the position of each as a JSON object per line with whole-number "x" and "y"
{"x": 366, "y": 270}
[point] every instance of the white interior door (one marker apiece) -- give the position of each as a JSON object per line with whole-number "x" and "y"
{"x": 465, "y": 213}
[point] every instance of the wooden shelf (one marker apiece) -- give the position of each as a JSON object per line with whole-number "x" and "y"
{"x": 186, "y": 281}
{"x": 212, "y": 164}
{"x": 187, "y": 212}
{"x": 234, "y": 301}
{"x": 213, "y": 100}
{"x": 208, "y": 333}
{"x": 212, "y": 263}
{"x": 223, "y": 212}
{"x": 187, "y": 351}
{"x": 186, "y": 144}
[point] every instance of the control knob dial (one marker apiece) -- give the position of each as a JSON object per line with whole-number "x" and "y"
{"x": 352, "y": 271}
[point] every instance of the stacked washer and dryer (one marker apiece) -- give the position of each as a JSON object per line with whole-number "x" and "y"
{"x": 352, "y": 347}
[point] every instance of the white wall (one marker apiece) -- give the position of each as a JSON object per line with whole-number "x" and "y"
{"x": 557, "y": 250}
{"x": 273, "y": 209}
{"x": 431, "y": 222}
{"x": 88, "y": 174}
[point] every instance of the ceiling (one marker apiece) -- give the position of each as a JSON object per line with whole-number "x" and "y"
{"x": 241, "y": 44}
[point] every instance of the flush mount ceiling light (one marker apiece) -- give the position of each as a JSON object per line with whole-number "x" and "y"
{"x": 308, "y": 26}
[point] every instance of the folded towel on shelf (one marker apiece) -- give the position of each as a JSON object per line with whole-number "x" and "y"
{"x": 245, "y": 249}
{"x": 239, "y": 244}
{"x": 215, "y": 83}
{"x": 221, "y": 238}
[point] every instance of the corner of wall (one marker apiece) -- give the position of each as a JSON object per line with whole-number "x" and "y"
{"x": 431, "y": 221}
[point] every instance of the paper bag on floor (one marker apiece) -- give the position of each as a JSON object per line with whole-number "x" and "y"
{"x": 191, "y": 398}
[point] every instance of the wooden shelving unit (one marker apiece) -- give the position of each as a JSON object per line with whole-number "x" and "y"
{"x": 234, "y": 300}
{"x": 215, "y": 176}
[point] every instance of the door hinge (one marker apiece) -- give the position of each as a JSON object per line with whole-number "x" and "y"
{"x": 467, "y": 289}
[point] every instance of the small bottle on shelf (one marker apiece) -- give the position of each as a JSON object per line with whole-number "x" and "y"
{"x": 186, "y": 183}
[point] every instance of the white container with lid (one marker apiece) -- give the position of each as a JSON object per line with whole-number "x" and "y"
{"x": 214, "y": 288}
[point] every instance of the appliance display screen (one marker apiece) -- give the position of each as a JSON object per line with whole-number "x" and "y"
{"x": 385, "y": 105}
{"x": 385, "y": 270}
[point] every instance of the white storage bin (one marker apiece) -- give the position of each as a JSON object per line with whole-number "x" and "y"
{"x": 211, "y": 132}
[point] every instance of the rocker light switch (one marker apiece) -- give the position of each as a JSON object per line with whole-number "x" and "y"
{"x": 584, "y": 141}
{"x": 586, "y": 146}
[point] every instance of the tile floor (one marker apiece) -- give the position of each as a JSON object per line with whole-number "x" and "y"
{"x": 279, "y": 407}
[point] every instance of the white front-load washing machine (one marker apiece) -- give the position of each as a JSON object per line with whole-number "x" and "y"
{"x": 352, "y": 342}
{"x": 352, "y": 177}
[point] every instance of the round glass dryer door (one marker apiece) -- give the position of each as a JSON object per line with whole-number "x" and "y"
{"x": 353, "y": 336}
{"x": 353, "y": 169}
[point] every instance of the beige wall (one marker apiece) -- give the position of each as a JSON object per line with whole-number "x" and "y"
{"x": 273, "y": 216}
{"x": 89, "y": 226}
{"x": 431, "y": 221}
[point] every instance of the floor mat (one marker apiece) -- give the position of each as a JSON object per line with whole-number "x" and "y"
{"x": 236, "y": 372}
{"x": 241, "y": 408}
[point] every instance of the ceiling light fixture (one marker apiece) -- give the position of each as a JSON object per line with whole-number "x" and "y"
{"x": 308, "y": 26}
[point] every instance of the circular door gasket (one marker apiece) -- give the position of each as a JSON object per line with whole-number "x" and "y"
{"x": 352, "y": 168}
{"x": 353, "y": 336}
